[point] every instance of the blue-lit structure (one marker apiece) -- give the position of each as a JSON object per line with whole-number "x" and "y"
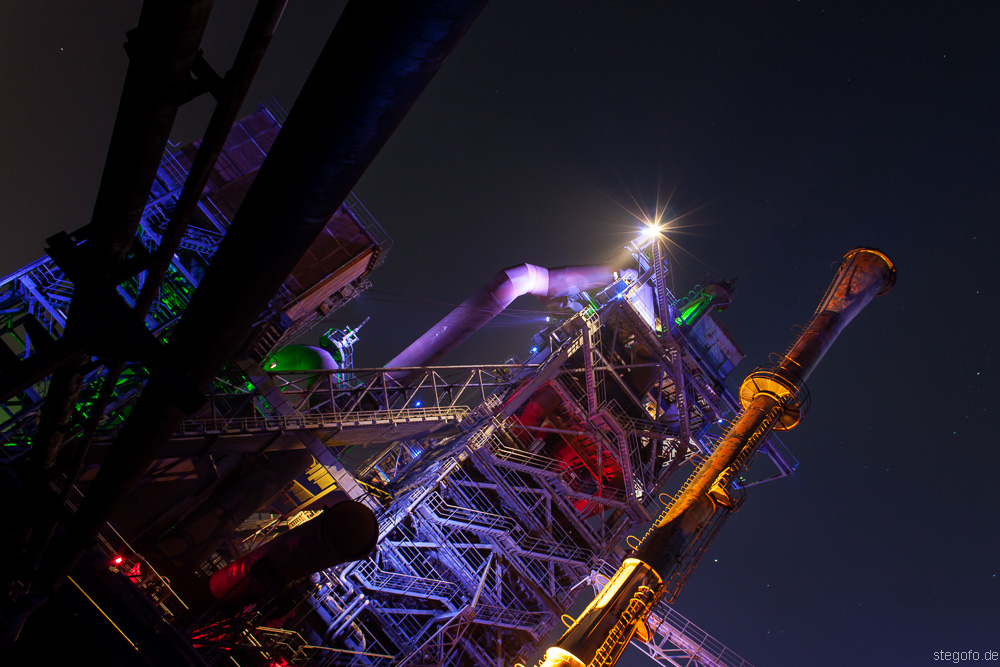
{"x": 491, "y": 529}
{"x": 35, "y": 299}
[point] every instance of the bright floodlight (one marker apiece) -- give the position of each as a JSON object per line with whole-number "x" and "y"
{"x": 650, "y": 230}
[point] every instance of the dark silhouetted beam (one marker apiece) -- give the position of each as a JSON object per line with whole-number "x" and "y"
{"x": 380, "y": 57}
{"x": 162, "y": 51}
{"x": 230, "y": 94}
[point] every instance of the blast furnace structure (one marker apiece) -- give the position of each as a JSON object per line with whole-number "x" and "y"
{"x": 196, "y": 488}
{"x": 495, "y": 492}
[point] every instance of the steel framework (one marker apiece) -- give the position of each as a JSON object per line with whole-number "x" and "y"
{"x": 499, "y": 488}
{"x": 491, "y": 521}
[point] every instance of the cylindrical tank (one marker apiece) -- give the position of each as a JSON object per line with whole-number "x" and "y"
{"x": 345, "y": 532}
{"x": 300, "y": 358}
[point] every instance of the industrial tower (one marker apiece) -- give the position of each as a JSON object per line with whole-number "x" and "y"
{"x": 499, "y": 489}
{"x": 213, "y": 493}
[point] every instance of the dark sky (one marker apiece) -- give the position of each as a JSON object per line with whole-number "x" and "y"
{"x": 788, "y": 133}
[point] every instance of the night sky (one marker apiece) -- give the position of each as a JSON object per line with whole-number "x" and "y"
{"x": 785, "y": 133}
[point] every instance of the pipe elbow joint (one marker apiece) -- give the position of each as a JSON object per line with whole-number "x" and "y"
{"x": 525, "y": 279}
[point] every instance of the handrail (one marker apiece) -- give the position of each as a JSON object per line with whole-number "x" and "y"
{"x": 370, "y": 576}
{"x": 311, "y": 420}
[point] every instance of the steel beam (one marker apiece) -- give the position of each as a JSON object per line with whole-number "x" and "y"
{"x": 162, "y": 51}
{"x": 232, "y": 90}
{"x": 378, "y": 60}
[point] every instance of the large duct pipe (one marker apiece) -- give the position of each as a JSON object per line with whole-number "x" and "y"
{"x": 197, "y": 535}
{"x": 345, "y": 532}
{"x": 771, "y": 398}
{"x": 476, "y": 311}
{"x": 380, "y": 57}
{"x": 618, "y": 611}
{"x": 864, "y": 274}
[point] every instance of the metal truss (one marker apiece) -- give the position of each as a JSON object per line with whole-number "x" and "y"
{"x": 491, "y": 492}
{"x": 485, "y": 531}
{"x": 353, "y": 389}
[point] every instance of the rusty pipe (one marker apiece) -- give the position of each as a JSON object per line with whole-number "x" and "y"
{"x": 863, "y": 274}
{"x": 771, "y": 398}
{"x": 604, "y": 629}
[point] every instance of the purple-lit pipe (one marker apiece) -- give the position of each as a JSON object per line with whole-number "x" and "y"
{"x": 490, "y": 301}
